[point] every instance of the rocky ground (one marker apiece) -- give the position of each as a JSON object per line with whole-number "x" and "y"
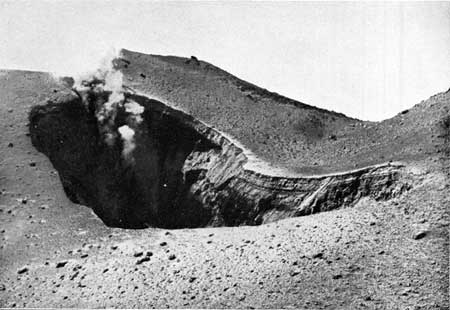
{"x": 377, "y": 255}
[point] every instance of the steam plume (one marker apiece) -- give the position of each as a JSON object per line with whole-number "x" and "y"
{"x": 103, "y": 91}
{"x": 127, "y": 135}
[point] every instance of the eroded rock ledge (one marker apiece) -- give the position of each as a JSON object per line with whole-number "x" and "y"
{"x": 183, "y": 173}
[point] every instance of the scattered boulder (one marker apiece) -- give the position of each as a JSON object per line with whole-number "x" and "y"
{"x": 294, "y": 273}
{"x": 22, "y": 270}
{"x": 317, "y": 255}
{"x": 419, "y": 234}
{"x": 193, "y": 60}
{"x": 138, "y": 254}
{"x": 142, "y": 260}
{"x": 61, "y": 264}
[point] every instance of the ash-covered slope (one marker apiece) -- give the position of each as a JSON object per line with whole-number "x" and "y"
{"x": 283, "y": 132}
{"x": 379, "y": 254}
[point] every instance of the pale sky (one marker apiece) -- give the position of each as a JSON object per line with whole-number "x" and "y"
{"x": 369, "y": 60}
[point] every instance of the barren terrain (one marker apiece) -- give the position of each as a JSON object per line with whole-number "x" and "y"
{"x": 374, "y": 253}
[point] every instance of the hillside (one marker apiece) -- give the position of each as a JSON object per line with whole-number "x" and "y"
{"x": 282, "y": 131}
{"x": 382, "y": 244}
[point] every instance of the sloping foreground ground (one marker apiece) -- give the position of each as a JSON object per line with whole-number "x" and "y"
{"x": 379, "y": 254}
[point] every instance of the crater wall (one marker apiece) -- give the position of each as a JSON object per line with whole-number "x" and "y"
{"x": 183, "y": 173}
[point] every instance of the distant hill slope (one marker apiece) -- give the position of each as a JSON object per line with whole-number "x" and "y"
{"x": 285, "y": 132}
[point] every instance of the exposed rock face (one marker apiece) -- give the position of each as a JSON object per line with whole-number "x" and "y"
{"x": 183, "y": 173}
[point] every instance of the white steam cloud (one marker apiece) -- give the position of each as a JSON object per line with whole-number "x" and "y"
{"x": 108, "y": 80}
{"x": 135, "y": 109}
{"x": 127, "y": 135}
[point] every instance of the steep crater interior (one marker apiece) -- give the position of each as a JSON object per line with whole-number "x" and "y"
{"x": 177, "y": 172}
{"x": 148, "y": 189}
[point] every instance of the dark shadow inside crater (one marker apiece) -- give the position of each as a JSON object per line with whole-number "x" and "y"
{"x": 150, "y": 190}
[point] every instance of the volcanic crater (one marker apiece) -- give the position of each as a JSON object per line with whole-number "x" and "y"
{"x": 190, "y": 145}
{"x": 183, "y": 173}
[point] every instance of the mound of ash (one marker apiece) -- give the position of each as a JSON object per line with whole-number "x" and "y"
{"x": 137, "y": 162}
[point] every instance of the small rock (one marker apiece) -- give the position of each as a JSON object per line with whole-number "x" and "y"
{"x": 10, "y": 144}
{"x": 32, "y": 164}
{"x": 84, "y": 255}
{"x": 172, "y": 256}
{"x": 142, "y": 260}
{"x": 114, "y": 247}
{"x": 337, "y": 276}
{"x": 406, "y": 292}
{"x": 317, "y": 255}
{"x": 24, "y": 200}
{"x": 74, "y": 275}
{"x": 149, "y": 254}
{"x": 419, "y": 235}
{"x": 294, "y": 273}
{"x": 61, "y": 264}
{"x": 163, "y": 243}
{"x": 22, "y": 270}
{"x": 192, "y": 279}
{"x": 138, "y": 254}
